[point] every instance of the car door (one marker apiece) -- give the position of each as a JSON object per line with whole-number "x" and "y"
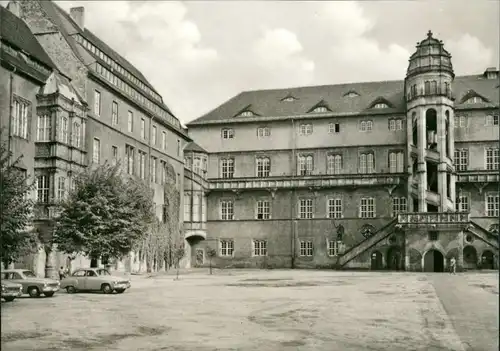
{"x": 91, "y": 280}
{"x": 79, "y": 278}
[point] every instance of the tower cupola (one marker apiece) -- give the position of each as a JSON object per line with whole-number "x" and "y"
{"x": 430, "y": 56}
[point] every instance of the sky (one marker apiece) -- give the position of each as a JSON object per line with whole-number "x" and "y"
{"x": 198, "y": 54}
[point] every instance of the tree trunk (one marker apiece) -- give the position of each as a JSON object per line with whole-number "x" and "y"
{"x": 178, "y": 265}
{"x": 50, "y": 269}
{"x": 148, "y": 262}
{"x": 210, "y": 264}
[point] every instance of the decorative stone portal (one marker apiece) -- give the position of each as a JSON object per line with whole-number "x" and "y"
{"x": 433, "y": 261}
{"x": 394, "y": 258}
{"x": 376, "y": 261}
{"x": 200, "y": 257}
{"x": 487, "y": 260}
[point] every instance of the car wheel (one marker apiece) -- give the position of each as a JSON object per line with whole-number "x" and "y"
{"x": 9, "y": 298}
{"x": 33, "y": 291}
{"x": 120, "y": 291}
{"x": 49, "y": 294}
{"x": 106, "y": 288}
{"x": 70, "y": 289}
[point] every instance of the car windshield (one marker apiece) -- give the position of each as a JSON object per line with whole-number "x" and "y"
{"x": 103, "y": 272}
{"x": 29, "y": 274}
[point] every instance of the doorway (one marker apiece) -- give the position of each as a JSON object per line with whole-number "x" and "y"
{"x": 470, "y": 257}
{"x": 433, "y": 261}
{"x": 487, "y": 260}
{"x": 394, "y": 258}
{"x": 200, "y": 257}
{"x": 376, "y": 261}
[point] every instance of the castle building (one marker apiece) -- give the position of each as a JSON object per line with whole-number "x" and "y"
{"x": 73, "y": 102}
{"x": 396, "y": 175}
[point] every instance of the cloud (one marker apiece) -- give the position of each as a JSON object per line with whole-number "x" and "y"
{"x": 469, "y": 54}
{"x": 156, "y": 37}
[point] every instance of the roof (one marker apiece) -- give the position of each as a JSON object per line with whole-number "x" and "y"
{"x": 268, "y": 103}
{"x": 17, "y": 33}
{"x": 192, "y": 146}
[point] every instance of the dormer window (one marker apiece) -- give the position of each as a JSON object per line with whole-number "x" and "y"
{"x": 351, "y": 94}
{"x": 246, "y": 114}
{"x": 381, "y": 105}
{"x": 320, "y": 109}
{"x": 474, "y": 100}
{"x": 289, "y": 99}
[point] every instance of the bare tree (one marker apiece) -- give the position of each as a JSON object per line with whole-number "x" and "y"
{"x": 211, "y": 253}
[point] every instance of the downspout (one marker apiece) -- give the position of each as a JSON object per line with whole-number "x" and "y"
{"x": 293, "y": 195}
{"x": 11, "y": 113}
{"x": 149, "y": 153}
{"x": 192, "y": 188}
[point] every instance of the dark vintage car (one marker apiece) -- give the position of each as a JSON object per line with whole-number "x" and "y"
{"x": 11, "y": 290}
{"x": 32, "y": 285}
{"x": 94, "y": 279}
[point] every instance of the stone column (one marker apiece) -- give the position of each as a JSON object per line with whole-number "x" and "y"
{"x": 460, "y": 258}
{"x": 441, "y": 147}
{"x": 50, "y": 265}
{"x": 422, "y": 166}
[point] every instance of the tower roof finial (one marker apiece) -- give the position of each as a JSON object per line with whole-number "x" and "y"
{"x": 429, "y": 34}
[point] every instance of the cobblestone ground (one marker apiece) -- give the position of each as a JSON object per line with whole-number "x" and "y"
{"x": 266, "y": 310}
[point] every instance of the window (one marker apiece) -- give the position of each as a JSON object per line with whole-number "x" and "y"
{"x": 461, "y": 159}
{"x": 61, "y": 188}
{"x": 43, "y": 187}
{"x": 396, "y": 162}
{"x": 305, "y": 165}
{"x": 130, "y": 152}
{"x": 77, "y": 134}
{"x": 153, "y": 136}
{"x": 43, "y": 128}
{"x": 227, "y": 133}
{"x": 333, "y": 164}
{"x": 366, "y": 126}
{"x": 333, "y": 128}
{"x": 227, "y": 168}
{"x": 433, "y": 235}
{"x": 460, "y": 121}
{"x": 491, "y": 159}
{"x": 130, "y": 122}
{"x": 196, "y": 165}
{"x": 143, "y": 128}
{"x": 305, "y": 129}
{"x": 178, "y": 147}
{"x": 142, "y": 164}
{"x": 152, "y": 169}
{"x": 64, "y": 130}
{"x": 20, "y": 119}
{"x": 260, "y": 248}
{"x": 196, "y": 207}
{"x": 333, "y": 247}
{"x": 367, "y": 208}
{"x": 96, "y": 151}
{"x": 306, "y": 248}
{"x": 263, "y": 167}
{"x": 380, "y": 105}
{"x": 114, "y": 154}
{"x": 187, "y": 207}
{"x": 246, "y": 114}
{"x": 289, "y": 99}
{"x": 203, "y": 208}
{"x": 263, "y": 209}
{"x": 227, "y": 210}
{"x": 395, "y": 124}
{"x": 306, "y": 208}
{"x": 334, "y": 209}
{"x": 492, "y": 205}
{"x": 366, "y": 163}
{"x": 226, "y": 247}
{"x": 163, "y": 170}
{"x": 114, "y": 113}
{"x": 474, "y": 100}
{"x": 492, "y": 120}
{"x": 398, "y": 205}
{"x": 97, "y": 103}
{"x": 462, "y": 203}
{"x": 351, "y": 94}
{"x": 164, "y": 140}
{"x": 263, "y": 132}
{"x": 320, "y": 109}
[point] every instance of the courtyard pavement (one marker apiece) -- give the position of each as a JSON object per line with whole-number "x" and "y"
{"x": 265, "y": 310}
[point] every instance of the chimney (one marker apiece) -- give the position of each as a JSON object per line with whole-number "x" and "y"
{"x": 15, "y": 8}
{"x": 78, "y": 15}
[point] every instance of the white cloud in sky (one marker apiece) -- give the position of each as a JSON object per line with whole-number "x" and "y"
{"x": 469, "y": 54}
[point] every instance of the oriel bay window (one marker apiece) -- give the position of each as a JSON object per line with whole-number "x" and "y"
{"x": 42, "y": 188}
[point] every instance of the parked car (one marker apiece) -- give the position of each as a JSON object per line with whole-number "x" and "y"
{"x": 31, "y": 284}
{"x": 11, "y": 290}
{"x": 94, "y": 279}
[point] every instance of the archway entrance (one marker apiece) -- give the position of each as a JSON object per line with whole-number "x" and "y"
{"x": 470, "y": 257}
{"x": 394, "y": 258}
{"x": 487, "y": 260}
{"x": 376, "y": 261}
{"x": 433, "y": 261}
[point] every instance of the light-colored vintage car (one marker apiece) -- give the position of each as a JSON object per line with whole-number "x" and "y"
{"x": 11, "y": 290}
{"x": 94, "y": 279}
{"x": 32, "y": 285}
